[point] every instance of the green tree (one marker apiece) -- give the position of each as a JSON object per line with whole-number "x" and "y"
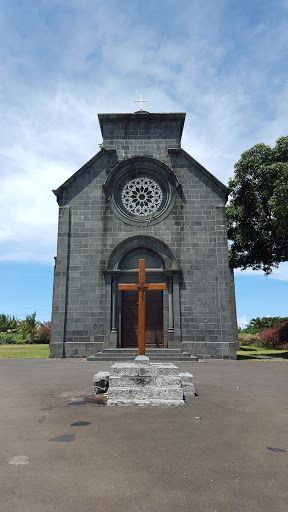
{"x": 30, "y": 325}
{"x": 8, "y": 323}
{"x": 258, "y": 211}
{"x": 266, "y": 322}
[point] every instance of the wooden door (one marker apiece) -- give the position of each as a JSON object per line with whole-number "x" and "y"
{"x": 153, "y": 319}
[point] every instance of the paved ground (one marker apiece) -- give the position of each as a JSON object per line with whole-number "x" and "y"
{"x": 143, "y": 459}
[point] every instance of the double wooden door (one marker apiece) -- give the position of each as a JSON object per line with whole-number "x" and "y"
{"x": 153, "y": 319}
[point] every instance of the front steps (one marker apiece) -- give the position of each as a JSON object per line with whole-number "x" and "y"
{"x": 154, "y": 354}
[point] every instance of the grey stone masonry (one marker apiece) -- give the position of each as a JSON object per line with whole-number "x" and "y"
{"x": 187, "y": 383}
{"x": 184, "y": 243}
{"x": 100, "y": 383}
{"x": 142, "y": 383}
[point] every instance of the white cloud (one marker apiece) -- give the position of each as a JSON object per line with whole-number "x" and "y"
{"x": 94, "y": 57}
{"x": 280, "y": 273}
{"x": 242, "y": 322}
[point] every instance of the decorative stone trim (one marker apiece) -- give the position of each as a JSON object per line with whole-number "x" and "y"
{"x": 138, "y": 242}
{"x": 142, "y": 196}
{"x": 141, "y": 190}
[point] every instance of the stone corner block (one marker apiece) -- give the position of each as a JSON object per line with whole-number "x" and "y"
{"x": 100, "y": 383}
{"x": 187, "y": 383}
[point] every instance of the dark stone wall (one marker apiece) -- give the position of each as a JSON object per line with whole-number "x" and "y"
{"x": 194, "y": 230}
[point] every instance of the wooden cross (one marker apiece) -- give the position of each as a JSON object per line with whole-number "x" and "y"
{"x": 141, "y": 101}
{"x": 142, "y": 287}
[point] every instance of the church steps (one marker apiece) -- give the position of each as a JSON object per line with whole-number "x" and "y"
{"x": 124, "y": 354}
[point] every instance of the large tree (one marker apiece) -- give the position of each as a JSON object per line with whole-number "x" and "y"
{"x": 258, "y": 210}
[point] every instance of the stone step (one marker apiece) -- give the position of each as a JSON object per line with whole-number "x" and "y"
{"x": 143, "y": 402}
{"x": 146, "y": 392}
{"x": 128, "y": 354}
{"x": 148, "y": 350}
{"x": 130, "y": 357}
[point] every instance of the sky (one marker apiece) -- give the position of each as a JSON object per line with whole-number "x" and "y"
{"x": 62, "y": 62}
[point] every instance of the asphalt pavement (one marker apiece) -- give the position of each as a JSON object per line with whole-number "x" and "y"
{"x": 224, "y": 451}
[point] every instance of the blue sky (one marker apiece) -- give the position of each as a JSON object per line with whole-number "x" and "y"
{"x": 224, "y": 63}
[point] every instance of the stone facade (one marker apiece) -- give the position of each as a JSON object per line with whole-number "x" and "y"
{"x": 184, "y": 243}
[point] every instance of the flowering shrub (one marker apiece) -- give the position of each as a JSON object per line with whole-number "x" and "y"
{"x": 269, "y": 338}
{"x": 44, "y": 333}
{"x": 283, "y": 332}
{"x": 248, "y": 339}
{"x": 275, "y": 337}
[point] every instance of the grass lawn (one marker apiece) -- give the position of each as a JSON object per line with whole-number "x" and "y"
{"x": 252, "y": 352}
{"x": 24, "y": 351}
{"x": 42, "y": 351}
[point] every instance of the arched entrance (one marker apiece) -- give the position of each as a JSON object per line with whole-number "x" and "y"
{"x": 153, "y": 302}
{"x": 162, "y": 322}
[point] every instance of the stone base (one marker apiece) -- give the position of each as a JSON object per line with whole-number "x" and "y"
{"x": 100, "y": 383}
{"x": 149, "y": 402}
{"x": 142, "y": 383}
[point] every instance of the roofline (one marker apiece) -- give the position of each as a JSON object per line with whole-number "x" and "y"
{"x": 98, "y": 155}
{"x": 80, "y": 171}
{"x": 208, "y": 174}
{"x": 135, "y": 115}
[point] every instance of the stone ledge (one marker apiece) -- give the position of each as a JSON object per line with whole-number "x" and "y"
{"x": 144, "y": 403}
{"x": 148, "y": 392}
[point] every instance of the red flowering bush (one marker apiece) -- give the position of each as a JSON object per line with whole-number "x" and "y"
{"x": 283, "y": 332}
{"x": 276, "y": 337}
{"x": 44, "y": 333}
{"x": 248, "y": 339}
{"x": 269, "y": 338}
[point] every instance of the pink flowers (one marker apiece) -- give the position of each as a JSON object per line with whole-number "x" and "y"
{"x": 44, "y": 332}
{"x": 275, "y": 337}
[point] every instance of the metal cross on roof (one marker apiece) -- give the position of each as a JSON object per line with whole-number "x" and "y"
{"x": 141, "y": 101}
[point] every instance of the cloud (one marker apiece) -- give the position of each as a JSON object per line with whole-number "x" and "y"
{"x": 63, "y": 62}
{"x": 242, "y": 322}
{"x": 280, "y": 273}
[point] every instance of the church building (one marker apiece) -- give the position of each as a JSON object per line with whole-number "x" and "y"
{"x": 143, "y": 197}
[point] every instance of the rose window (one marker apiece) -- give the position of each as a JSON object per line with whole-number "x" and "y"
{"x": 142, "y": 196}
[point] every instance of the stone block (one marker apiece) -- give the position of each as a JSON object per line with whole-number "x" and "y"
{"x": 134, "y": 381}
{"x": 187, "y": 383}
{"x": 142, "y": 360}
{"x": 144, "y": 403}
{"x": 148, "y": 392}
{"x": 168, "y": 380}
{"x": 126, "y": 369}
{"x": 100, "y": 383}
{"x": 149, "y": 371}
{"x": 165, "y": 369}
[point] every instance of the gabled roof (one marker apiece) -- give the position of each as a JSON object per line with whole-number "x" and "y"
{"x": 78, "y": 173}
{"x": 202, "y": 169}
{"x": 208, "y": 174}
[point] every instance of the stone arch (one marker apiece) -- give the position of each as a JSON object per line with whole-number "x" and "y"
{"x": 152, "y": 246}
{"x": 162, "y": 265}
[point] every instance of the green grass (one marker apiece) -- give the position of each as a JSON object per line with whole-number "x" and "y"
{"x": 42, "y": 351}
{"x": 24, "y": 351}
{"x": 253, "y": 353}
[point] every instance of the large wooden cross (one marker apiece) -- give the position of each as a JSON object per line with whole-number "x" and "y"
{"x": 142, "y": 287}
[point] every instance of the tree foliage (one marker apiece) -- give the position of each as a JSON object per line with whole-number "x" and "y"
{"x": 258, "y": 324}
{"x": 13, "y": 330}
{"x": 8, "y": 323}
{"x": 258, "y": 211}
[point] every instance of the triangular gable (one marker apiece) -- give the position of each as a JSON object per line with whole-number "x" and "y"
{"x": 78, "y": 173}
